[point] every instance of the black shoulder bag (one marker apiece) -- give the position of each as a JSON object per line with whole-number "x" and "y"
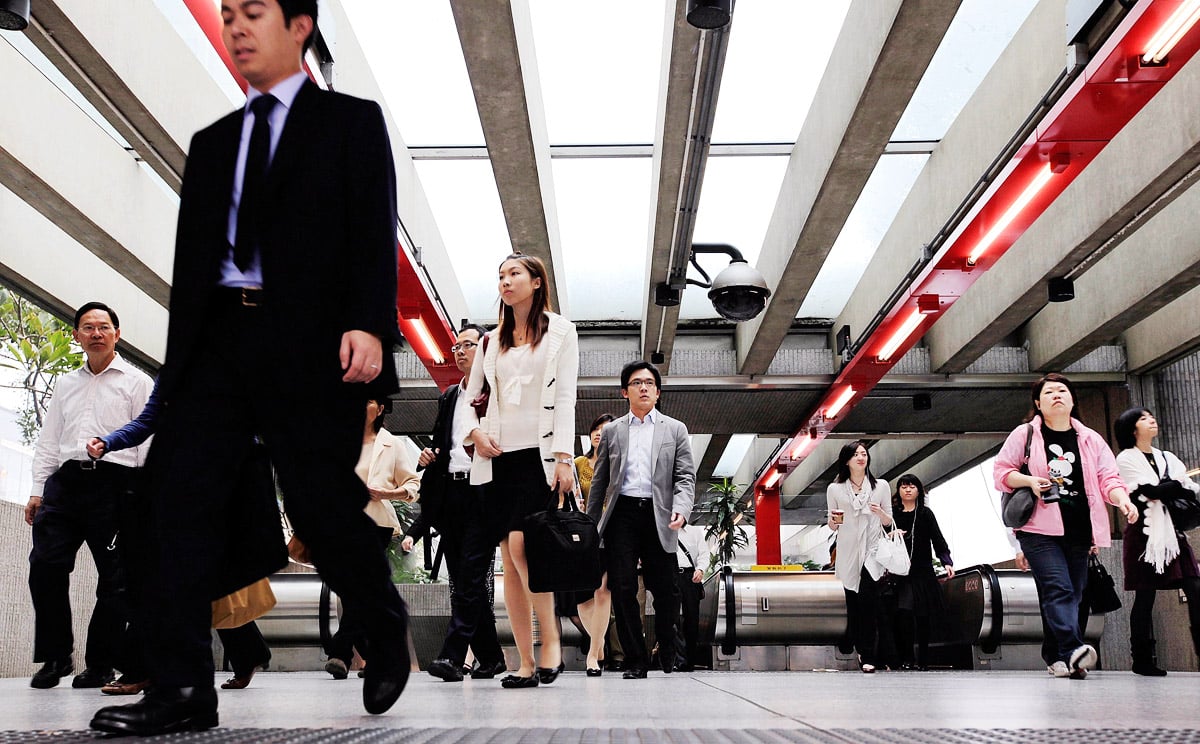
{"x": 1016, "y": 507}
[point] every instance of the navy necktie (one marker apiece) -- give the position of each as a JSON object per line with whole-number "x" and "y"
{"x": 257, "y": 157}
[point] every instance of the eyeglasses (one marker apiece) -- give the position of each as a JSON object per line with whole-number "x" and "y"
{"x": 641, "y": 383}
{"x": 90, "y": 329}
{"x": 464, "y": 346}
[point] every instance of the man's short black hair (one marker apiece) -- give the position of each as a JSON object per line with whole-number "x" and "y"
{"x": 473, "y": 327}
{"x": 90, "y": 306}
{"x": 629, "y": 369}
{"x": 293, "y": 8}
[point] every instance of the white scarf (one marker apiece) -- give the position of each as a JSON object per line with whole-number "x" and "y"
{"x": 1162, "y": 544}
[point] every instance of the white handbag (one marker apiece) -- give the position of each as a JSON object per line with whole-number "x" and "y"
{"x": 889, "y": 555}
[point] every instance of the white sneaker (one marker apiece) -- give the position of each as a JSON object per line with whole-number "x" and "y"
{"x": 1058, "y": 669}
{"x": 1083, "y": 657}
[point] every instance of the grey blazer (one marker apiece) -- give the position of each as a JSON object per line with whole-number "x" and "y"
{"x": 673, "y": 475}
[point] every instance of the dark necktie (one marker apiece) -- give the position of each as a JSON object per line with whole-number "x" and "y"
{"x": 257, "y": 157}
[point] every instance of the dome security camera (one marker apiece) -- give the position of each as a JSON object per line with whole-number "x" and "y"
{"x": 739, "y": 293}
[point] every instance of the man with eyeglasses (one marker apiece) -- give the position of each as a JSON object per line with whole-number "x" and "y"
{"x": 645, "y": 472}
{"x": 77, "y": 500}
{"x": 456, "y": 509}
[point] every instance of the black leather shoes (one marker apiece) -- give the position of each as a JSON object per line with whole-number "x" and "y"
{"x": 594, "y": 672}
{"x": 50, "y": 674}
{"x": 445, "y": 670}
{"x": 513, "y": 682}
{"x": 489, "y": 671}
{"x": 547, "y": 675}
{"x": 90, "y": 678}
{"x": 382, "y": 689}
{"x": 634, "y": 673}
{"x": 161, "y": 711}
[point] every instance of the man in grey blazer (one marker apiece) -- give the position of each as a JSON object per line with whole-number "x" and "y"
{"x": 642, "y": 494}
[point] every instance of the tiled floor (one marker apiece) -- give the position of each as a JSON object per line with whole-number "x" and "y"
{"x": 806, "y": 703}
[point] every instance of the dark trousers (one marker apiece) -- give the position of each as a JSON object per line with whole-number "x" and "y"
{"x": 1060, "y": 574}
{"x": 245, "y": 648}
{"x": 78, "y": 506}
{"x": 352, "y": 631}
{"x": 1141, "y": 616}
{"x": 689, "y": 609}
{"x": 631, "y": 534}
{"x": 862, "y": 613}
{"x": 231, "y": 392}
{"x": 469, "y": 551}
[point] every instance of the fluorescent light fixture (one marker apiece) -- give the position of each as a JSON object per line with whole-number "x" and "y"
{"x": 906, "y": 328}
{"x": 1180, "y": 22}
{"x": 803, "y": 442}
{"x": 772, "y": 479}
{"x": 840, "y": 403}
{"x": 1020, "y": 203}
{"x": 432, "y": 350}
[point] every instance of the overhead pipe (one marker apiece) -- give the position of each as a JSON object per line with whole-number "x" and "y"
{"x": 1066, "y": 139}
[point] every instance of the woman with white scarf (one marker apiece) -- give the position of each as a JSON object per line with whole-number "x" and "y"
{"x": 859, "y": 507}
{"x": 1156, "y": 555}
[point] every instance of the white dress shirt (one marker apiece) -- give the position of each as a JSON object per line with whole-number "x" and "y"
{"x": 285, "y": 92}
{"x": 639, "y": 461}
{"x": 460, "y": 461}
{"x": 692, "y": 537}
{"x": 85, "y": 406}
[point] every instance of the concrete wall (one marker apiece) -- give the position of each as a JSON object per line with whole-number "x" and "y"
{"x": 16, "y": 610}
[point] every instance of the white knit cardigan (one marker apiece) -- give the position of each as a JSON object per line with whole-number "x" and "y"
{"x": 556, "y": 416}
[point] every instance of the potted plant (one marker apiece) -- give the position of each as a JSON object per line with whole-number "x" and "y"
{"x": 730, "y": 513}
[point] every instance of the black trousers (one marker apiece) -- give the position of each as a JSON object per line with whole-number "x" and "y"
{"x": 862, "y": 611}
{"x": 352, "y": 631}
{"x": 469, "y": 550}
{"x": 631, "y": 534}
{"x": 689, "y": 608}
{"x": 313, "y": 433}
{"x": 79, "y": 506}
{"x": 245, "y": 648}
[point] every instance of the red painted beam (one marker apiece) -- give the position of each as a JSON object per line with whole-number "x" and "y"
{"x": 424, "y": 326}
{"x": 1112, "y": 89}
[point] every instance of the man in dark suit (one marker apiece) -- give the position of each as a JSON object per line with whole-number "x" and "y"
{"x": 282, "y": 319}
{"x": 643, "y": 489}
{"x": 456, "y": 508}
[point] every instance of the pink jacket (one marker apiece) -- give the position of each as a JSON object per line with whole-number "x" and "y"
{"x": 1100, "y": 475}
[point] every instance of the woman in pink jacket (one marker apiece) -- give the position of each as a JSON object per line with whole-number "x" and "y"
{"x": 1073, "y": 473}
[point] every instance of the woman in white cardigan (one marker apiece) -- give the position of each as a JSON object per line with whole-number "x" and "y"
{"x": 859, "y": 505}
{"x": 1156, "y": 555}
{"x": 524, "y": 443}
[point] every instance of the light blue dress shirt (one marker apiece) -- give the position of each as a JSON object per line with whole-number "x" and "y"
{"x": 639, "y": 461}
{"x": 285, "y": 92}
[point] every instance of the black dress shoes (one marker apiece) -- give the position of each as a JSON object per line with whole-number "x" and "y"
{"x": 163, "y": 710}
{"x": 445, "y": 670}
{"x": 634, "y": 673}
{"x": 616, "y": 665}
{"x": 547, "y": 675}
{"x": 513, "y": 682}
{"x": 381, "y": 689}
{"x": 489, "y": 671}
{"x": 594, "y": 671}
{"x": 91, "y": 678}
{"x": 50, "y": 674}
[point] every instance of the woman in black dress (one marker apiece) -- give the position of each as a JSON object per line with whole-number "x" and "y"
{"x": 918, "y": 595}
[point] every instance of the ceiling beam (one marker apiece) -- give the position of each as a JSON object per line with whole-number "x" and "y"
{"x": 497, "y": 44}
{"x": 1165, "y": 336}
{"x": 712, "y": 455}
{"x": 881, "y": 55}
{"x": 1112, "y": 202}
{"x": 680, "y": 153}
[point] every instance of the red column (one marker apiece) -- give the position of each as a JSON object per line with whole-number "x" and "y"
{"x": 766, "y": 526}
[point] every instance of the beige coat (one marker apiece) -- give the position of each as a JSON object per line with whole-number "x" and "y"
{"x": 389, "y": 468}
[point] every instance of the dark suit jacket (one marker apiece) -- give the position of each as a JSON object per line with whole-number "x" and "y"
{"x": 327, "y": 237}
{"x": 433, "y": 483}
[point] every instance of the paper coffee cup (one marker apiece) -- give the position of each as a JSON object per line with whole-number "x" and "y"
{"x": 837, "y": 516}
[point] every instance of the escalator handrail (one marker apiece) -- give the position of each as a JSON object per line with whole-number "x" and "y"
{"x": 729, "y": 643}
{"x": 995, "y": 637}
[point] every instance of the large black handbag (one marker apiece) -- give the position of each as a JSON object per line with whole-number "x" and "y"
{"x": 1016, "y": 507}
{"x": 1180, "y": 503}
{"x": 1100, "y": 594}
{"x": 562, "y": 547}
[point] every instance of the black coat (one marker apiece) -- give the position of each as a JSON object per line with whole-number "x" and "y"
{"x": 433, "y": 483}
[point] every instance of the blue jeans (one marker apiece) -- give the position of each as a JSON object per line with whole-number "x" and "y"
{"x": 1060, "y": 573}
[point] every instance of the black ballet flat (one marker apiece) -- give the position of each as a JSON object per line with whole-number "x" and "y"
{"x": 547, "y": 676}
{"x": 593, "y": 672}
{"x": 513, "y": 682}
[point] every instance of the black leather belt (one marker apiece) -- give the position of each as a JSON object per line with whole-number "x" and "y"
{"x": 643, "y": 501}
{"x": 91, "y": 466}
{"x": 459, "y": 476}
{"x": 245, "y": 296}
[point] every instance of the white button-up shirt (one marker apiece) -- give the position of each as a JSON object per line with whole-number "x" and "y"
{"x": 87, "y": 405}
{"x": 639, "y": 461}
